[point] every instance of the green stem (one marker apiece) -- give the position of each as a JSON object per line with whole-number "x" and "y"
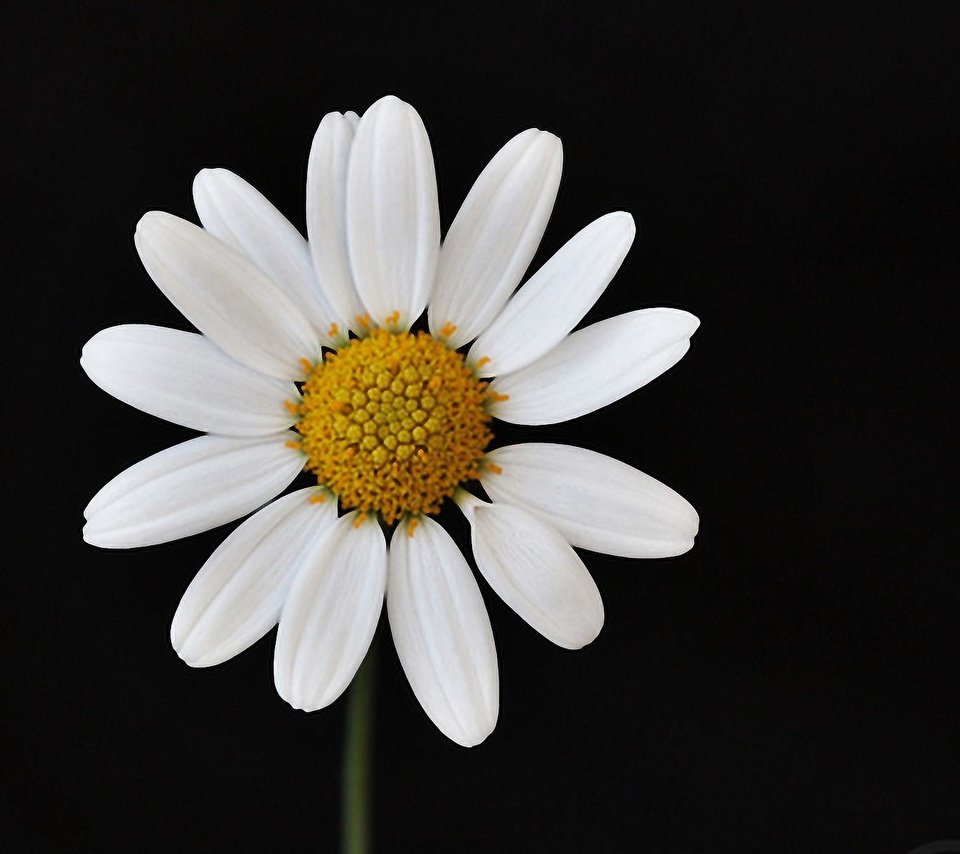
{"x": 357, "y": 780}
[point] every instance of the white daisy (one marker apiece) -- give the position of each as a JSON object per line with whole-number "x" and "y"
{"x": 391, "y": 422}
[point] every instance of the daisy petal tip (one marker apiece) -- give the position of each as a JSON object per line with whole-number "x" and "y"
{"x": 332, "y": 118}
{"x": 676, "y": 549}
{"x": 203, "y": 177}
{"x": 293, "y": 702}
{"x": 544, "y": 137}
{"x": 93, "y": 349}
{"x": 682, "y": 322}
{"x": 590, "y": 632}
{"x": 627, "y": 222}
{"x": 621, "y": 232}
{"x": 205, "y": 185}
{"x": 151, "y": 221}
{"x": 389, "y": 108}
{"x": 577, "y": 643}
{"x": 184, "y": 644}
{"x": 88, "y": 510}
{"x": 88, "y": 353}
{"x": 471, "y": 731}
{"x": 305, "y": 703}
{"x": 474, "y": 737}
{"x": 285, "y": 691}
{"x": 549, "y": 148}
{"x": 690, "y": 525}
{"x": 580, "y": 633}
{"x": 94, "y": 535}
{"x": 389, "y": 102}
{"x": 285, "y": 695}
{"x": 547, "y": 139}
{"x": 190, "y": 656}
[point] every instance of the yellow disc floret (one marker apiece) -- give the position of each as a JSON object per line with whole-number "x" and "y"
{"x": 393, "y": 423}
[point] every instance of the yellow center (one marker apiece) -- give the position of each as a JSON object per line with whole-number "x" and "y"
{"x": 393, "y": 423}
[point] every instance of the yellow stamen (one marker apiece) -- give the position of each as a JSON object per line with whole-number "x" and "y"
{"x": 306, "y": 364}
{"x": 447, "y": 329}
{"x": 292, "y": 443}
{"x": 485, "y": 360}
{"x": 333, "y": 331}
{"x": 292, "y": 408}
{"x": 318, "y": 498}
{"x": 412, "y": 526}
{"x": 496, "y": 396}
{"x": 394, "y": 424}
{"x": 393, "y": 318}
{"x": 363, "y": 320}
{"x": 493, "y": 468}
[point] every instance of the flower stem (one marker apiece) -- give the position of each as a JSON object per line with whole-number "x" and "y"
{"x": 357, "y": 781}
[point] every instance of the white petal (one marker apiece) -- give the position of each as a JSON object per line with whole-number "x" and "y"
{"x": 330, "y": 614}
{"x": 556, "y": 297}
{"x": 185, "y": 378}
{"x": 327, "y": 214}
{"x": 241, "y": 217}
{"x": 495, "y": 234}
{"x": 225, "y": 296}
{"x": 191, "y": 487}
{"x": 393, "y": 220}
{"x": 535, "y": 571}
{"x": 442, "y": 633}
{"x": 237, "y": 596}
{"x": 596, "y": 502}
{"x": 595, "y": 366}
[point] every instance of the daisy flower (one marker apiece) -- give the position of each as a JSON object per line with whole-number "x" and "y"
{"x": 307, "y": 359}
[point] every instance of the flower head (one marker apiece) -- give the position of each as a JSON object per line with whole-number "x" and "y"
{"x": 307, "y": 359}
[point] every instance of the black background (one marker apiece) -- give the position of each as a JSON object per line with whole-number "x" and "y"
{"x": 789, "y": 685}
